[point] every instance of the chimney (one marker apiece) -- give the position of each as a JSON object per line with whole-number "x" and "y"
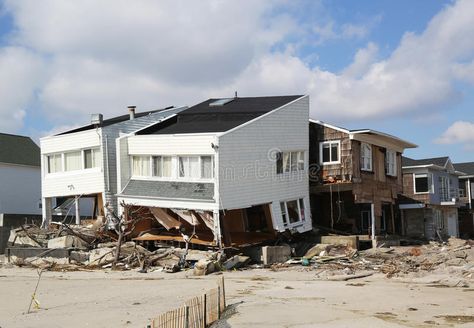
{"x": 131, "y": 111}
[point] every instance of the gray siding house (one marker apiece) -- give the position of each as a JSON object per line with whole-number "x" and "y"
{"x": 430, "y": 201}
{"x": 466, "y": 194}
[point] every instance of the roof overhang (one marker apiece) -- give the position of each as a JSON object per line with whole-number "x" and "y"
{"x": 411, "y": 206}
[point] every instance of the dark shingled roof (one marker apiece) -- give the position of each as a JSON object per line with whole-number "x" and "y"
{"x": 170, "y": 189}
{"x": 19, "y": 150}
{"x": 203, "y": 118}
{"x": 114, "y": 120}
{"x": 439, "y": 161}
{"x": 467, "y": 167}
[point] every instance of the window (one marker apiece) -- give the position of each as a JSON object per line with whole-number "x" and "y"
{"x": 292, "y": 211}
{"x": 141, "y": 166}
{"x": 92, "y": 158}
{"x": 290, "y": 161}
{"x": 73, "y": 161}
{"x": 329, "y": 152}
{"x": 189, "y": 167}
{"x": 162, "y": 166}
{"x": 391, "y": 163}
{"x": 422, "y": 183}
{"x": 365, "y": 157}
{"x": 206, "y": 167}
{"x": 55, "y": 163}
{"x": 444, "y": 188}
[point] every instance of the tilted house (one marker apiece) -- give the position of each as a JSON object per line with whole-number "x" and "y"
{"x": 466, "y": 195}
{"x": 355, "y": 178}
{"x": 226, "y": 172}
{"x": 430, "y": 204}
{"x": 20, "y": 175}
{"x": 81, "y": 163}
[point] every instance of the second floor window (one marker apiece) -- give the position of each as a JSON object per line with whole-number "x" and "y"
{"x": 365, "y": 157}
{"x": 391, "y": 163}
{"x": 74, "y": 160}
{"x": 329, "y": 152}
{"x": 162, "y": 166}
{"x": 422, "y": 183}
{"x": 55, "y": 163}
{"x": 141, "y": 166}
{"x": 290, "y": 161}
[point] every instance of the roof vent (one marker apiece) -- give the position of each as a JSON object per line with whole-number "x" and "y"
{"x": 220, "y": 102}
{"x": 97, "y": 119}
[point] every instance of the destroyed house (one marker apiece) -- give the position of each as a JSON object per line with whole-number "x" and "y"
{"x": 20, "y": 175}
{"x": 225, "y": 172}
{"x": 78, "y": 167}
{"x": 466, "y": 196}
{"x": 355, "y": 178}
{"x": 430, "y": 202}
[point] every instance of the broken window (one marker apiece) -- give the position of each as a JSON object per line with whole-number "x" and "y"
{"x": 290, "y": 161}
{"x": 422, "y": 183}
{"x": 72, "y": 161}
{"x": 189, "y": 167}
{"x": 55, "y": 163}
{"x": 329, "y": 152}
{"x": 365, "y": 157}
{"x": 92, "y": 158}
{"x": 161, "y": 166}
{"x": 141, "y": 166}
{"x": 391, "y": 163}
{"x": 292, "y": 211}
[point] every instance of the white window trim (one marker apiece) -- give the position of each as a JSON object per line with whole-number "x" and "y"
{"x": 297, "y": 169}
{"x": 330, "y": 142}
{"x": 367, "y": 169}
{"x": 174, "y": 168}
{"x": 300, "y": 221}
{"x": 395, "y": 167}
{"x": 63, "y": 162}
{"x": 430, "y": 187}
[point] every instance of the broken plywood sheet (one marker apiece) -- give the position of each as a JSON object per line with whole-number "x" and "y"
{"x": 164, "y": 218}
{"x": 188, "y": 216}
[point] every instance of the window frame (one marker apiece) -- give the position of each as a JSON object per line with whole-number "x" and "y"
{"x": 429, "y": 177}
{"x": 364, "y": 156}
{"x": 387, "y": 163}
{"x": 132, "y": 174}
{"x": 48, "y": 167}
{"x": 330, "y": 143}
{"x": 63, "y": 154}
{"x": 285, "y": 214}
{"x": 162, "y": 177}
{"x": 294, "y": 165}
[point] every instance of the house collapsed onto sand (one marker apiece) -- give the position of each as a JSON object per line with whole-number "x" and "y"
{"x": 225, "y": 172}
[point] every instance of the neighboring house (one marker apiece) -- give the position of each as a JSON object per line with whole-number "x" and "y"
{"x": 81, "y": 163}
{"x": 430, "y": 202}
{"x": 466, "y": 194}
{"x": 227, "y": 172}
{"x": 20, "y": 175}
{"x": 355, "y": 177}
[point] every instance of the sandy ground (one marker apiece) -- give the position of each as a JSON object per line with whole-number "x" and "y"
{"x": 257, "y": 298}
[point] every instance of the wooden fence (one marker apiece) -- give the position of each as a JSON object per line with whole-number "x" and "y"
{"x": 197, "y": 312}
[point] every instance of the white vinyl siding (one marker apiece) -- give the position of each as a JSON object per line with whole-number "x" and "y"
{"x": 391, "y": 163}
{"x": 330, "y": 152}
{"x": 365, "y": 157}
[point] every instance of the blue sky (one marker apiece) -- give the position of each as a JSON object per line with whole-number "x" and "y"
{"x": 401, "y": 67}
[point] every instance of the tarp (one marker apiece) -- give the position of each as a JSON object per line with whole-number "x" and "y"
{"x": 164, "y": 218}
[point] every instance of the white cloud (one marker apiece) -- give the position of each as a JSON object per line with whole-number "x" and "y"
{"x": 21, "y": 73}
{"x": 460, "y": 132}
{"x": 101, "y": 56}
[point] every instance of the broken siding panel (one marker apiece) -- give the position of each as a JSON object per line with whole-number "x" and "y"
{"x": 247, "y": 160}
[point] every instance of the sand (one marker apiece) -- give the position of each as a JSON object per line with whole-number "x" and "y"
{"x": 257, "y": 298}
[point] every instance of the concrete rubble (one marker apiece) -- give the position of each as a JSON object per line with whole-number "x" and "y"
{"x": 69, "y": 247}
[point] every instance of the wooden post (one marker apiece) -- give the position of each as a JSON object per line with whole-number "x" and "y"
{"x": 372, "y": 216}
{"x": 393, "y": 219}
{"x": 78, "y": 216}
{"x": 218, "y": 302}
{"x": 204, "y": 306}
{"x": 186, "y": 316}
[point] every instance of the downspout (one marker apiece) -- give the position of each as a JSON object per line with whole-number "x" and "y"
{"x": 217, "y": 198}
{"x": 107, "y": 162}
